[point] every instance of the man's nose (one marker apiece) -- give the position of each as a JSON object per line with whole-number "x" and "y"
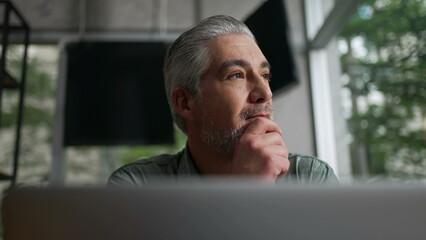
{"x": 260, "y": 90}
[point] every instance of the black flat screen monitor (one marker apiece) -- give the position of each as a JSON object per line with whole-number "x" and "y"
{"x": 269, "y": 25}
{"x": 115, "y": 94}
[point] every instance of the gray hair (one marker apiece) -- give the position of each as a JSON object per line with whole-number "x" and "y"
{"x": 188, "y": 58}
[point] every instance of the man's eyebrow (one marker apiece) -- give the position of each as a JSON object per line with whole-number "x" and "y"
{"x": 265, "y": 64}
{"x": 236, "y": 62}
{"x": 240, "y": 62}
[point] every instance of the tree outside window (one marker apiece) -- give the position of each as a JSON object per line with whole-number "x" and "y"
{"x": 383, "y": 54}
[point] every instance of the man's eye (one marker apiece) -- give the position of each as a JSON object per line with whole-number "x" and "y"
{"x": 235, "y": 75}
{"x": 267, "y": 76}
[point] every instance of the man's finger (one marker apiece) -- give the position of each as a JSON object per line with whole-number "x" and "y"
{"x": 271, "y": 138}
{"x": 278, "y": 150}
{"x": 261, "y": 126}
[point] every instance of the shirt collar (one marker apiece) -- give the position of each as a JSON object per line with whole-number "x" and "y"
{"x": 187, "y": 166}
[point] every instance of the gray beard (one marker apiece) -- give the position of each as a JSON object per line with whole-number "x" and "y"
{"x": 223, "y": 140}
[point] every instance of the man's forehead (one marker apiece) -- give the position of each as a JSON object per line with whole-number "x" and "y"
{"x": 240, "y": 44}
{"x": 235, "y": 42}
{"x": 236, "y": 50}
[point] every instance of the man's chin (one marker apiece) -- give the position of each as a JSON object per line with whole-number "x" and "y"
{"x": 223, "y": 141}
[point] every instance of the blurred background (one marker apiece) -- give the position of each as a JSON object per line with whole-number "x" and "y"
{"x": 84, "y": 94}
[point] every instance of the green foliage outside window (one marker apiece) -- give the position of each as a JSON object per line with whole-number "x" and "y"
{"x": 387, "y": 85}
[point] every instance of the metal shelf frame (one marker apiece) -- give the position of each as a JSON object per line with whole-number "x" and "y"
{"x": 6, "y": 80}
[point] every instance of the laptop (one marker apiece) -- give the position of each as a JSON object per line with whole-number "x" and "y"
{"x": 216, "y": 211}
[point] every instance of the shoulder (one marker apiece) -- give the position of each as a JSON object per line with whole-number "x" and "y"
{"x": 308, "y": 163}
{"x": 310, "y": 169}
{"x": 142, "y": 170}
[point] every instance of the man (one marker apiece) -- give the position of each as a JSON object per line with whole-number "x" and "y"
{"x": 217, "y": 85}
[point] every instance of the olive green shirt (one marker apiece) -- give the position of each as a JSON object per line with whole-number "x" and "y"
{"x": 180, "y": 166}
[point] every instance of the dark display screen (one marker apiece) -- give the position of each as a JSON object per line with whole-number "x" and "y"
{"x": 115, "y": 94}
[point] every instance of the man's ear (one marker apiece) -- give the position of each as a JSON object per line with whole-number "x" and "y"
{"x": 183, "y": 103}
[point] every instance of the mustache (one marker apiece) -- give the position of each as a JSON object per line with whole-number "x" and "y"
{"x": 246, "y": 113}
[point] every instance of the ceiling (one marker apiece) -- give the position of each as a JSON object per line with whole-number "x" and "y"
{"x": 51, "y": 20}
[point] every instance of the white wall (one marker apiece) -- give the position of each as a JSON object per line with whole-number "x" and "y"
{"x": 293, "y": 106}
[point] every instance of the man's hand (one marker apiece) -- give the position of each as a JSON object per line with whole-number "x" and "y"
{"x": 261, "y": 151}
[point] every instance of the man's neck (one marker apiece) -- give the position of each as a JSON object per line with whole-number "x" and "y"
{"x": 207, "y": 160}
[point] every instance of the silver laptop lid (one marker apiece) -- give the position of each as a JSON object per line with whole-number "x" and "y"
{"x": 217, "y": 212}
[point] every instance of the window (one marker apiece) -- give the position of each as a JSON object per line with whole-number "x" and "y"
{"x": 383, "y": 56}
{"x": 370, "y": 106}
